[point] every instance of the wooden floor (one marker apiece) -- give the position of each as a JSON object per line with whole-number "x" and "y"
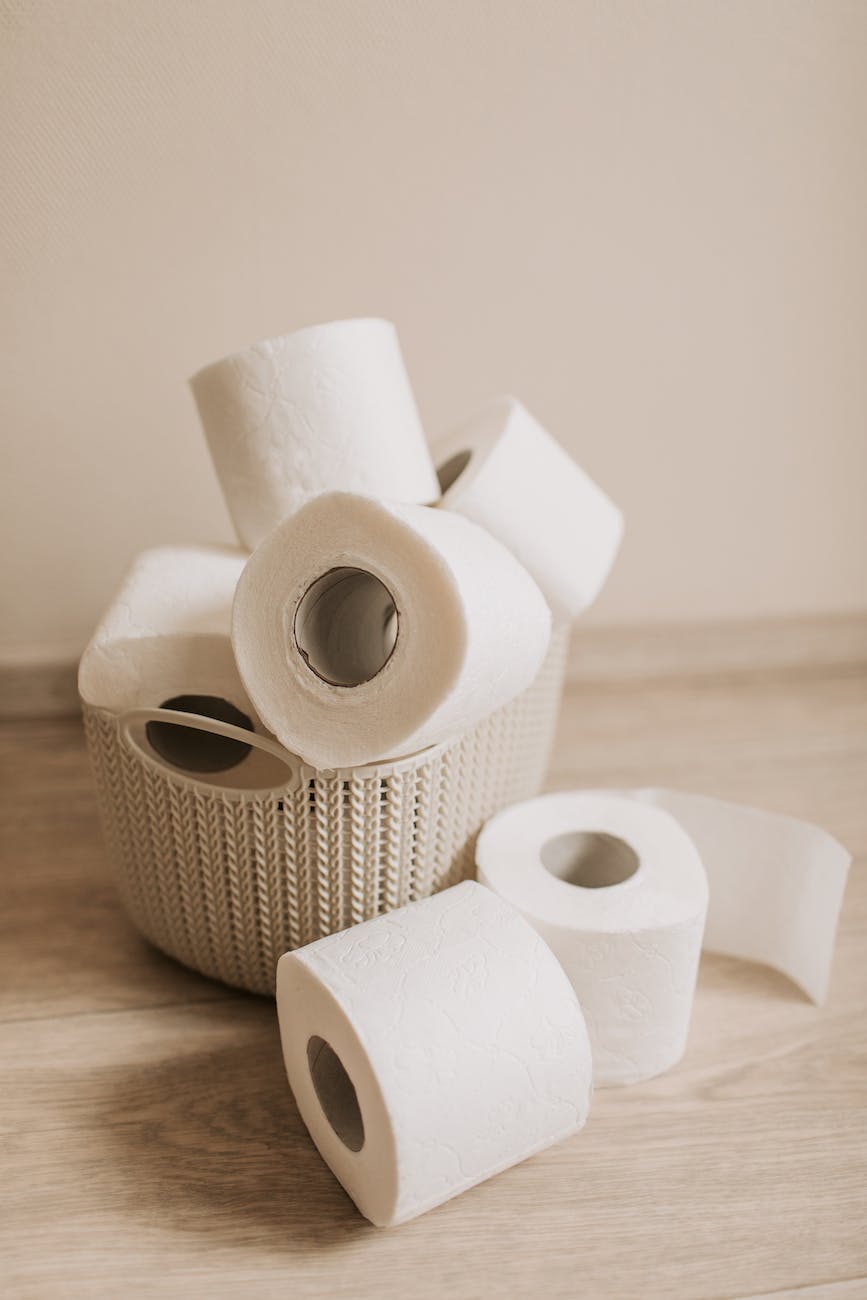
{"x": 150, "y": 1145}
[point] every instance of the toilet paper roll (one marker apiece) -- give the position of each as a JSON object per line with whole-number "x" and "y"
{"x": 617, "y": 884}
{"x": 329, "y": 407}
{"x": 618, "y": 891}
{"x": 165, "y": 641}
{"x": 504, "y": 471}
{"x": 366, "y": 630}
{"x": 431, "y": 1048}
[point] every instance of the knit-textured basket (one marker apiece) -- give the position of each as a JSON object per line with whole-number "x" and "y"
{"x": 226, "y": 873}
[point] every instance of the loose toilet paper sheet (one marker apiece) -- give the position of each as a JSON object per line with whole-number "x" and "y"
{"x": 366, "y": 630}
{"x": 167, "y": 632}
{"x": 504, "y": 471}
{"x": 776, "y": 884}
{"x": 630, "y": 945}
{"x": 328, "y": 407}
{"x": 431, "y": 1048}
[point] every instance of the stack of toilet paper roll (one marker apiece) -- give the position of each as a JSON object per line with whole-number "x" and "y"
{"x": 384, "y": 609}
{"x": 382, "y": 602}
{"x": 303, "y": 731}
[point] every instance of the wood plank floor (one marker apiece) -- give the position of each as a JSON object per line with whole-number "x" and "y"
{"x": 150, "y": 1145}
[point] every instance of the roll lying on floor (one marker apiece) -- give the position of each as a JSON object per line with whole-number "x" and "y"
{"x": 431, "y": 1048}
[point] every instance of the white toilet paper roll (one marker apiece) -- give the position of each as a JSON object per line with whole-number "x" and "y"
{"x": 431, "y": 1048}
{"x": 503, "y": 470}
{"x": 616, "y": 881}
{"x": 367, "y": 630}
{"x": 329, "y": 407}
{"x": 165, "y": 641}
{"x": 618, "y": 891}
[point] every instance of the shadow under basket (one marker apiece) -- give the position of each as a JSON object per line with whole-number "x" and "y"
{"x": 227, "y": 871}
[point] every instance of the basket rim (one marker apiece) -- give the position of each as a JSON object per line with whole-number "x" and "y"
{"x": 303, "y": 772}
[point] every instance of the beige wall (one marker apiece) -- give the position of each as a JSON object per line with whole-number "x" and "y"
{"x": 646, "y": 219}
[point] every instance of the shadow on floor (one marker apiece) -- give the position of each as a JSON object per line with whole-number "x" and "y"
{"x": 735, "y": 975}
{"x": 213, "y": 1146}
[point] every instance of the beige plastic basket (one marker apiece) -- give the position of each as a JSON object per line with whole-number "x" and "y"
{"x": 227, "y": 872}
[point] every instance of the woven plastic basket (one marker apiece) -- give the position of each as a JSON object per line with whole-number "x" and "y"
{"x": 227, "y": 872}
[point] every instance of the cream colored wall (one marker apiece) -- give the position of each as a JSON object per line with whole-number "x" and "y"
{"x": 646, "y": 219}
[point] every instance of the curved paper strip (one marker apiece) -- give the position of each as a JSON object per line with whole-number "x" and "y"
{"x": 776, "y": 884}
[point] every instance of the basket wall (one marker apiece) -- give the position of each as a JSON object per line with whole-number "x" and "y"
{"x": 227, "y": 880}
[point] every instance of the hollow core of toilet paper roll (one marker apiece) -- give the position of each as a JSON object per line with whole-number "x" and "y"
{"x": 618, "y": 891}
{"x": 431, "y": 1048}
{"x": 327, "y": 407}
{"x": 366, "y": 630}
{"x": 346, "y": 626}
{"x": 502, "y": 469}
